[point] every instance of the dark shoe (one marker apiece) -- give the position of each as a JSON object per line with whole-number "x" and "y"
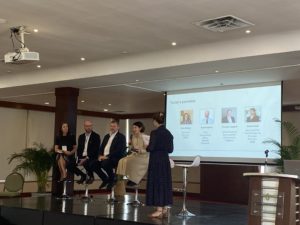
{"x": 64, "y": 179}
{"x": 103, "y": 185}
{"x": 131, "y": 183}
{"x": 82, "y": 179}
{"x": 110, "y": 186}
{"x": 90, "y": 180}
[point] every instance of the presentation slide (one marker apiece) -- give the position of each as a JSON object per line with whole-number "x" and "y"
{"x": 225, "y": 125}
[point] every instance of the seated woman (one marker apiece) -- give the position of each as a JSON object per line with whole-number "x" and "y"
{"x": 135, "y": 165}
{"x": 65, "y": 147}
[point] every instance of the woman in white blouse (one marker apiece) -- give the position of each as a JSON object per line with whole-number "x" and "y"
{"x": 135, "y": 165}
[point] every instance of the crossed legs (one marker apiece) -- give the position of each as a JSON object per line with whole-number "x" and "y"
{"x": 61, "y": 162}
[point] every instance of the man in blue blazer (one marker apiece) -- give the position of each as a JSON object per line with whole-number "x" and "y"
{"x": 112, "y": 149}
{"x": 87, "y": 152}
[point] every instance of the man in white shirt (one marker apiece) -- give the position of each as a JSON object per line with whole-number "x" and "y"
{"x": 87, "y": 152}
{"x": 112, "y": 149}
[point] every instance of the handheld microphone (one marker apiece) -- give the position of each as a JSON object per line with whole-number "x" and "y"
{"x": 266, "y": 161}
{"x": 267, "y": 153}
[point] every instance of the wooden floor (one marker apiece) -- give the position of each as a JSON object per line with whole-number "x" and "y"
{"x": 47, "y": 210}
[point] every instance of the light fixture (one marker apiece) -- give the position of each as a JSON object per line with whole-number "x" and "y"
{"x": 109, "y": 104}
{"x": 35, "y": 30}
{"x": 174, "y": 43}
{"x": 47, "y": 103}
{"x": 124, "y": 52}
{"x": 248, "y": 31}
{"x": 137, "y": 80}
{"x": 39, "y": 66}
{"x": 105, "y": 110}
{"x": 217, "y": 71}
{"x": 82, "y": 59}
{"x": 82, "y": 101}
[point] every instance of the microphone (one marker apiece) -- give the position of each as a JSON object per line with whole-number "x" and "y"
{"x": 266, "y": 160}
{"x": 267, "y": 153}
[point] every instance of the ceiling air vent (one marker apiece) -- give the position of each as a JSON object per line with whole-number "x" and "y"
{"x": 222, "y": 24}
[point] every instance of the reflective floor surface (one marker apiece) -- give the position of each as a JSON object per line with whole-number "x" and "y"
{"x": 206, "y": 213}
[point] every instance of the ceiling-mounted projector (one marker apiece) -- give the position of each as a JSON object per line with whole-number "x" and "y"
{"x": 21, "y": 55}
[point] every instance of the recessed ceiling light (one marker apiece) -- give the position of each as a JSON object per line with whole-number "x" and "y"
{"x": 47, "y": 103}
{"x": 38, "y": 66}
{"x": 105, "y": 110}
{"x": 109, "y": 104}
{"x": 124, "y": 52}
{"x": 217, "y": 71}
{"x": 248, "y": 31}
{"x": 174, "y": 43}
{"x": 35, "y": 30}
{"x": 82, "y": 59}
{"x": 137, "y": 80}
{"x": 82, "y": 101}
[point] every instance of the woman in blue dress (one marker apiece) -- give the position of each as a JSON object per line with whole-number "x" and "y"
{"x": 159, "y": 181}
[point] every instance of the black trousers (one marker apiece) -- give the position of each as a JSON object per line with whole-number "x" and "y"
{"x": 72, "y": 167}
{"x": 104, "y": 169}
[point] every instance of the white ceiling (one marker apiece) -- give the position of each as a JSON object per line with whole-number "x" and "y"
{"x": 100, "y": 30}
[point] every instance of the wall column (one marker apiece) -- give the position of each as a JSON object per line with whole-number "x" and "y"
{"x": 66, "y": 111}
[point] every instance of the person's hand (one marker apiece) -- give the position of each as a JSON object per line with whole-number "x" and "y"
{"x": 137, "y": 150}
{"x": 101, "y": 157}
{"x": 59, "y": 151}
{"x": 81, "y": 161}
{"x": 67, "y": 153}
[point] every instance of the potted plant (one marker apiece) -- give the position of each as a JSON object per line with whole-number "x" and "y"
{"x": 36, "y": 160}
{"x": 291, "y": 151}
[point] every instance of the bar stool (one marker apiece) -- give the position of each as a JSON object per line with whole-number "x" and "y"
{"x": 111, "y": 197}
{"x": 136, "y": 201}
{"x": 64, "y": 195}
{"x": 86, "y": 196}
{"x": 184, "y": 212}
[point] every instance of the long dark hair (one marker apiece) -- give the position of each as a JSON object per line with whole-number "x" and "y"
{"x": 60, "y": 133}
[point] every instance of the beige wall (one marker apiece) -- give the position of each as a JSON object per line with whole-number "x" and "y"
{"x": 13, "y": 136}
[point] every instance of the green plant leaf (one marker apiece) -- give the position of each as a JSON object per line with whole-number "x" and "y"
{"x": 36, "y": 160}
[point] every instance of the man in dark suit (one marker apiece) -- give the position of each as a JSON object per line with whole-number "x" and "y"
{"x": 112, "y": 149}
{"x": 87, "y": 152}
{"x": 228, "y": 118}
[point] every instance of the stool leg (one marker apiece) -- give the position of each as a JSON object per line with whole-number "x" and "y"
{"x": 184, "y": 212}
{"x": 86, "y": 196}
{"x": 136, "y": 201}
{"x": 111, "y": 198}
{"x": 64, "y": 194}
